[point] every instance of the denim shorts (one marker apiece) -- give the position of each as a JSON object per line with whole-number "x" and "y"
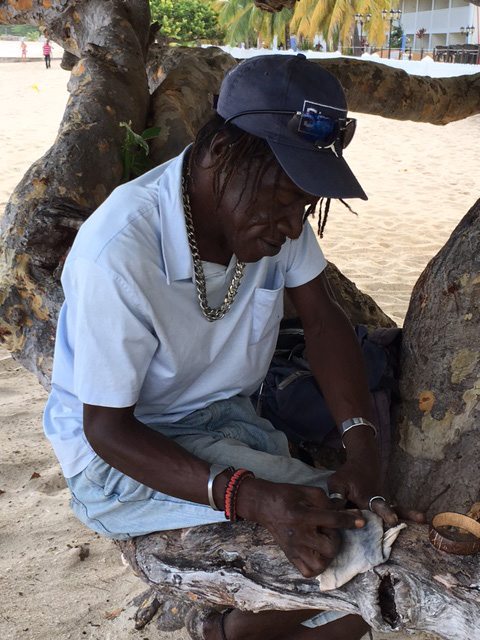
{"x": 227, "y": 432}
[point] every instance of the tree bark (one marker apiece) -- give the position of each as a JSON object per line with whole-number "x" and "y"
{"x": 76, "y": 23}
{"x": 184, "y": 84}
{"x": 419, "y": 589}
{"x": 107, "y": 86}
{"x": 439, "y": 415}
{"x": 376, "y": 88}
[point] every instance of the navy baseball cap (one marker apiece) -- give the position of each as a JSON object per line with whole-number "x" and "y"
{"x": 300, "y": 110}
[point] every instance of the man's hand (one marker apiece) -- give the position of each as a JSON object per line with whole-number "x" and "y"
{"x": 359, "y": 481}
{"x": 302, "y": 520}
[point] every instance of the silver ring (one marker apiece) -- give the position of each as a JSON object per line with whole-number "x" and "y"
{"x": 336, "y": 496}
{"x": 374, "y": 498}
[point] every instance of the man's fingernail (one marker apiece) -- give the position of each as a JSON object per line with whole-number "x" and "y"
{"x": 359, "y": 523}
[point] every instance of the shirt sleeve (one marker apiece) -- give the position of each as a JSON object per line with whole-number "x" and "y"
{"x": 109, "y": 335}
{"x": 305, "y": 259}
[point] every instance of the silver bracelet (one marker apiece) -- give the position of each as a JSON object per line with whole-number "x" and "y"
{"x": 215, "y": 470}
{"x": 355, "y": 422}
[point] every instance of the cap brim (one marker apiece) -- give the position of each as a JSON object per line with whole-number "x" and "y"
{"x": 318, "y": 171}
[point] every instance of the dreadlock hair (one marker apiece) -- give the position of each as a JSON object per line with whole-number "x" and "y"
{"x": 243, "y": 151}
{"x": 322, "y": 214}
{"x": 323, "y": 211}
{"x": 251, "y": 152}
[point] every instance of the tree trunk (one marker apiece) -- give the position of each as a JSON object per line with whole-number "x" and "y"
{"x": 182, "y": 101}
{"x": 376, "y": 88}
{"x": 439, "y": 415}
{"x": 287, "y": 36}
{"x": 107, "y": 86}
{"x": 419, "y": 589}
{"x": 77, "y": 23}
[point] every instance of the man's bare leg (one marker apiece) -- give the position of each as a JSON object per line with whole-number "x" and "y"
{"x": 283, "y": 625}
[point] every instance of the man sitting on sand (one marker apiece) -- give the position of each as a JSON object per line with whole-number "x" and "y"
{"x": 173, "y": 299}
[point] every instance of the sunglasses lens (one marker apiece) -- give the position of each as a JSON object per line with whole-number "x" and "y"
{"x": 323, "y": 130}
{"x": 349, "y": 132}
{"x": 319, "y": 127}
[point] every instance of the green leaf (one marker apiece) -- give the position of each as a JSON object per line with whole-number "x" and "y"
{"x": 150, "y": 133}
{"x": 135, "y": 150}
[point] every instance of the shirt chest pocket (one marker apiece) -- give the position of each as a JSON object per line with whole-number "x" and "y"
{"x": 267, "y": 310}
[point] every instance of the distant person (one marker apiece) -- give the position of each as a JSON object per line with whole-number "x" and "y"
{"x": 23, "y": 47}
{"x": 281, "y": 47}
{"x": 47, "y": 52}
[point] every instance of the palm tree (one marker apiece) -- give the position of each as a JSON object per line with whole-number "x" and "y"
{"x": 335, "y": 19}
{"x": 243, "y": 22}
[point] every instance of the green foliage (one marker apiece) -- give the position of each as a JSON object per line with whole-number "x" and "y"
{"x": 20, "y": 30}
{"x": 335, "y": 20}
{"x": 186, "y": 22}
{"x": 305, "y": 44}
{"x": 135, "y": 150}
{"x": 396, "y": 37}
{"x": 244, "y": 22}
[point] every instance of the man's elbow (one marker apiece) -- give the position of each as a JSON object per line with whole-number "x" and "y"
{"x": 102, "y": 425}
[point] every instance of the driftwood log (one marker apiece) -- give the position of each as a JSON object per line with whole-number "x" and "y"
{"x": 107, "y": 49}
{"x": 419, "y": 589}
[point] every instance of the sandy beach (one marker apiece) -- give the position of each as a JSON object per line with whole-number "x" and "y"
{"x": 58, "y": 580}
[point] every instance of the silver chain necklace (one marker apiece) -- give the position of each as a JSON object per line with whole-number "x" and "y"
{"x": 210, "y": 313}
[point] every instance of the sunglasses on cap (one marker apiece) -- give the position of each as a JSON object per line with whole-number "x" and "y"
{"x": 315, "y": 124}
{"x": 324, "y": 130}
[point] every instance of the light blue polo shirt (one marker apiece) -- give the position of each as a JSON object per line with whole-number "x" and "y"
{"x": 131, "y": 331}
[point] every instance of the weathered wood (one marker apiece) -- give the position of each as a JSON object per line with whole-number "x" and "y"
{"x": 436, "y": 465}
{"x": 419, "y": 589}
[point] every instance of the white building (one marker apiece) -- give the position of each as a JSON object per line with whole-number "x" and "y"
{"x": 442, "y": 20}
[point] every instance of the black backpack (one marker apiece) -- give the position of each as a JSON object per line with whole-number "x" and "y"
{"x": 291, "y": 400}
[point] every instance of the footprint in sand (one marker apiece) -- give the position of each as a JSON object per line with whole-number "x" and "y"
{"x": 50, "y": 482}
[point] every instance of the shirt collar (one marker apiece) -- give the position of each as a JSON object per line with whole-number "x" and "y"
{"x": 178, "y": 261}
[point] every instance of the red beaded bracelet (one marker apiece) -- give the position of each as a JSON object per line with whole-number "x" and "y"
{"x": 231, "y": 493}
